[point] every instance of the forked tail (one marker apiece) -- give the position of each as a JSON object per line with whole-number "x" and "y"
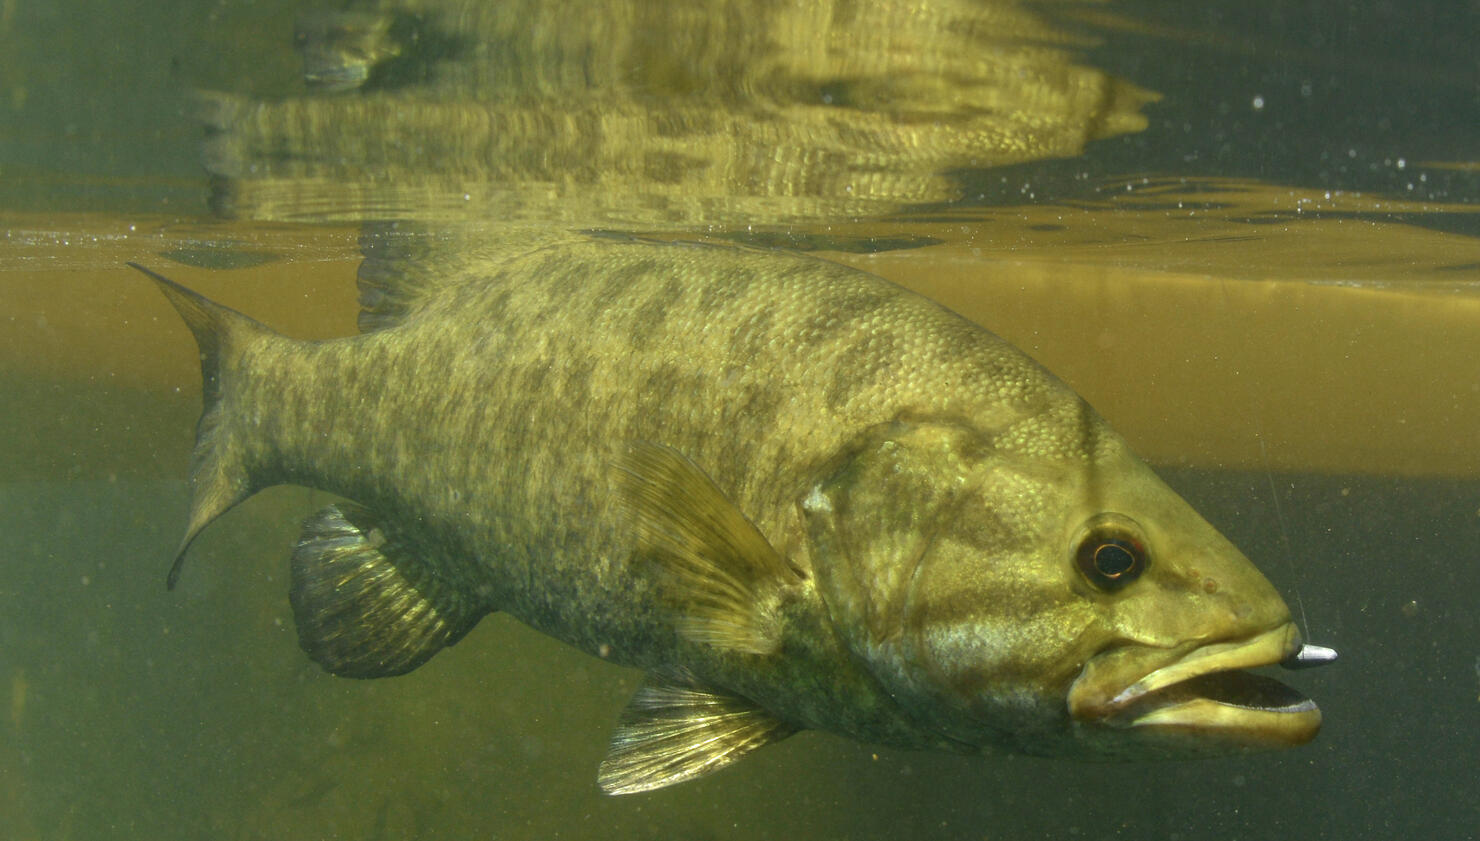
{"x": 219, "y": 477}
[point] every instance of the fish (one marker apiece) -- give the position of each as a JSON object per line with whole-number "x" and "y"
{"x": 794, "y": 494}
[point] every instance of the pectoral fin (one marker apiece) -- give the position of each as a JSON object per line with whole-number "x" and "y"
{"x": 721, "y": 573}
{"x": 674, "y": 731}
{"x": 365, "y": 604}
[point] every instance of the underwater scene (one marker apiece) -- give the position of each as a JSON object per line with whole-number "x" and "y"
{"x": 433, "y": 419}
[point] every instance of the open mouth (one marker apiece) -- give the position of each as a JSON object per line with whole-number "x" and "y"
{"x": 1208, "y": 693}
{"x": 1237, "y": 688}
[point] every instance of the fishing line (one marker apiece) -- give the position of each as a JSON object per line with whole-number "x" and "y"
{"x": 1279, "y": 516}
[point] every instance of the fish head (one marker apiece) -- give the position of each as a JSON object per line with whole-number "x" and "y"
{"x": 1045, "y": 592}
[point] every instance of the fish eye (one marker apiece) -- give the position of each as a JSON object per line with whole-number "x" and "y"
{"x": 1111, "y": 553}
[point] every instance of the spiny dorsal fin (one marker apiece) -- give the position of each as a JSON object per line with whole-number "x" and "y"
{"x": 365, "y": 605}
{"x": 720, "y": 570}
{"x": 673, "y": 731}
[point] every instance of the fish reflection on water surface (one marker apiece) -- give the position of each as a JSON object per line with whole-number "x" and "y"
{"x": 663, "y": 114}
{"x": 794, "y": 494}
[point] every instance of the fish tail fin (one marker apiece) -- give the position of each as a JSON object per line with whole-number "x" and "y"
{"x": 219, "y": 474}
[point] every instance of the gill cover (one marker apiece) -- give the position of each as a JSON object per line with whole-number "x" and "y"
{"x": 873, "y": 525}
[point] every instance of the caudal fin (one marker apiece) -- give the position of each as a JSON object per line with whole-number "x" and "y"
{"x": 219, "y": 477}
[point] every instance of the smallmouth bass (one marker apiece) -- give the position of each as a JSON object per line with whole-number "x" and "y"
{"x": 794, "y": 494}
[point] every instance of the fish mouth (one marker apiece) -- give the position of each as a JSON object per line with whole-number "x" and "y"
{"x": 1205, "y": 694}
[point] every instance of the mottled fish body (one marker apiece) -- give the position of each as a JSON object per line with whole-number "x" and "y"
{"x": 795, "y": 494}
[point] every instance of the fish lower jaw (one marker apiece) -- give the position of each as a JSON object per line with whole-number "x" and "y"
{"x": 1243, "y": 727}
{"x": 1237, "y": 707}
{"x": 1205, "y": 698}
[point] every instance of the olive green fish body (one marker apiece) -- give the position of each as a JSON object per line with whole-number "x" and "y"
{"x": 489, "y": 422}
{"x": 795, "y": 494}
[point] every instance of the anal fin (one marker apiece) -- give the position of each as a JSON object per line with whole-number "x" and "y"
{"x": 365, "y": 604}
{"x": 673, "y": 731}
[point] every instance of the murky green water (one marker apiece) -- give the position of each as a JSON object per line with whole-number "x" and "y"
{"x": 138, "y": 713}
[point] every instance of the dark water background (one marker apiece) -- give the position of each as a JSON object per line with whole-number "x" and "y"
{"x": 139, "y": 714}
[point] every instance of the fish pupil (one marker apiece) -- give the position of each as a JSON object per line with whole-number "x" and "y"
{"x": 1114, "y": 559}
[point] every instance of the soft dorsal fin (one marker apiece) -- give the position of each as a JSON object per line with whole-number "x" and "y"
{"x": 365, "y": 604}
{"x": 408, "y": 264}
{"x": 673, "y": 731}
{"x": 720, "y": 570}
{"x": 398, "y": 272}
